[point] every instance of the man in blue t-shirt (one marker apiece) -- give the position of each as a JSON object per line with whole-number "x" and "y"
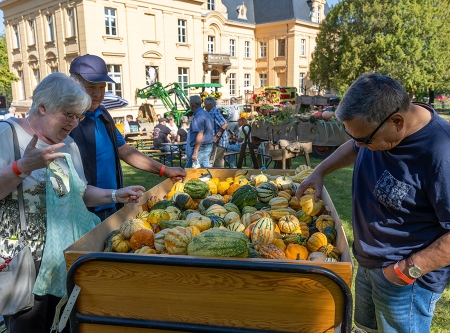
{"x": 401, "y": 203}
{"x": 200, "y": 135}
{"x": 99, "y": 140}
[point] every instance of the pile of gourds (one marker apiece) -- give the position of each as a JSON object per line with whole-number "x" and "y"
{"x": 241, "y": 216}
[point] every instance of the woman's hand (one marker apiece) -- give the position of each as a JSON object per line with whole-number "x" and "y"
{"x": 36, "y": 158}
{"x": 129, "y": 194}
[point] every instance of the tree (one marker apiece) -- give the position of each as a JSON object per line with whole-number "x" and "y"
{"x": 6, "y": 77}
{"x": 408, "y": 40}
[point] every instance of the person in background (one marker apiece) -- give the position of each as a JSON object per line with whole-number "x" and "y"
{"x": 99, "y": 140}
{"x": 238, "y": 139}
{"x": 221, "y": 141}
{"x": 233, "y": 116}
{"x": 401, "y": 203}
{"x": 59, "y": 103}
{"x": 12, "y": 113}
{"x": 173, "y": 127}
{"x": 182, "y": 134}
{"x": 200, "y": 135}
{"x": 131, "y": 125}
{"x": 162, "y": 134}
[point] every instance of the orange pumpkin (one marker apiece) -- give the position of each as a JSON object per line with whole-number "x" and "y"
{"x": 296, "y": 252}
{"x": 233, "y": 188}
{"x": 143, "y": 237}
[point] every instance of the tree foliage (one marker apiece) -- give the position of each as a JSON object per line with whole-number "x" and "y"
{"x": 408, "y": 40}
{"x": 6, "y": 77}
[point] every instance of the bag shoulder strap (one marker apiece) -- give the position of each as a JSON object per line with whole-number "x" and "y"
{"x": 23, "y": 221}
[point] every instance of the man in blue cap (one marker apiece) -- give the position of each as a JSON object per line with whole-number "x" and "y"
{"x": 99, "y": 140}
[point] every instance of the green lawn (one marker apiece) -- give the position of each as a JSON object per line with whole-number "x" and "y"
{"x": 338, "y": 185}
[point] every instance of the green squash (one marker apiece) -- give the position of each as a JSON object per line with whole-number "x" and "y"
{"x": 245, "y": 195}
{"x": 331, "y": 234}
{"x": 108, "y": 243}
{"x": 219, "y": 243}
{"x": 196, "y": 189}
{"x": 267, "y": 191}
{"x": 163, "y": 204}
{"x": 208, "y": 202}
{"x": 216, "y": 221}
{"x": 172, "y": 224}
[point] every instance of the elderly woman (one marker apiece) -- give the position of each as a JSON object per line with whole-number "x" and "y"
{"x": 59, "y": 102}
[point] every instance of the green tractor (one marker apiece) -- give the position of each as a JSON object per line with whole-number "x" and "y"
{"x": 172, "y": 96}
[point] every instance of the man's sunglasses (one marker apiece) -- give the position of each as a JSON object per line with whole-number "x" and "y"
{"x": 368, "y": 140}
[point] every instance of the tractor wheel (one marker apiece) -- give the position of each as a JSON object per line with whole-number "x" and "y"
{"x": 322, "y": 151}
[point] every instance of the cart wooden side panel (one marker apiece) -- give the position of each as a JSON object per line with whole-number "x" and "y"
{"x": 161, "y": 293}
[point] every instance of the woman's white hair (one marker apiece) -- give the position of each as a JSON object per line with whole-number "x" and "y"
{"x": 57, "y": 92}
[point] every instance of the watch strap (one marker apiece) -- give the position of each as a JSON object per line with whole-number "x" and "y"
{"x": 400, "y": 274}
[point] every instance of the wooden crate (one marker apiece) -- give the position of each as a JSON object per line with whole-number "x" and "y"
{"x": 163, "y": 293}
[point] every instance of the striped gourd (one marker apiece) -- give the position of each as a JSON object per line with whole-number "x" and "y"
{"x": 216, "y": 210}
{"x": 231, "y": 217}
{"x": 278, "y": 202}
{"x": 248, "y": 209}
{"x": 231, "y": 207}
{"x": 263, "y": 231}
{"x": 267, "y": 191}
{"x": 160, "y": 246}
{"x": 219, "y": 243}
{"x": 177, "y": 240}
{"x": 257, "y": 215}
{"x": 278, "y": 213}
{"x": 302, "y": 229}
{"x": 288, "y": 224}
{"x": 303, "y": 217}
{"x": 236, "y": 226}
{"x": 246, "y": 219}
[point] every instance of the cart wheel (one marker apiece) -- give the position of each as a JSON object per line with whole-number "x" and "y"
{"x": 322, "y": 151}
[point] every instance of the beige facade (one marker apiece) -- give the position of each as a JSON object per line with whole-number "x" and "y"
{"x": 170, "y": 41}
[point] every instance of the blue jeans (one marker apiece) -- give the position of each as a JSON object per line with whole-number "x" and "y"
{"x": 169, "y": 149}
{"x": 383, "y": 306}
{"x": 203, "y": 155}
{"x": 232, "y": 158}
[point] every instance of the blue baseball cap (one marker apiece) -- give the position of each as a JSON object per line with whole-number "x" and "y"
{"x": 91, "y": 68}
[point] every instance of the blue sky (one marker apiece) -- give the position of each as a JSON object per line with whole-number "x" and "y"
{"x": 2, "y": 27}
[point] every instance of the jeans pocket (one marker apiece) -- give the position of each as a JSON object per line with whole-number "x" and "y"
{"x": 434, "y": 298}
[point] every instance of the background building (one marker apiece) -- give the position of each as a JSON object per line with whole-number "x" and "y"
{"x": 242, "y": 44}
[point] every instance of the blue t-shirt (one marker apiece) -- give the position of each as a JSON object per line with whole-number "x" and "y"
{"x": 201, "y": 123}
{"x": 401, "y": 199}
{"x": 106, "y": 174}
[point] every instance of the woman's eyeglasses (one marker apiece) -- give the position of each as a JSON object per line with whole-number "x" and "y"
{"x": 73, "y": 116}
{"x": 368, "y": 140}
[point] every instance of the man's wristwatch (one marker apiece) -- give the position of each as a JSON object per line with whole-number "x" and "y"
{"x": 413, "y": 271}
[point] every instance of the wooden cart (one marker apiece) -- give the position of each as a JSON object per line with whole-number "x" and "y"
{"x": 163, "y": 293}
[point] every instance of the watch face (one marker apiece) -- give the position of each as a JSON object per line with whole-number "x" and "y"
{"x": 415, "y": 272}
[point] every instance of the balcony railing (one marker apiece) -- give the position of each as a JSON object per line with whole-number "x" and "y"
{"x": 211, "y": 60}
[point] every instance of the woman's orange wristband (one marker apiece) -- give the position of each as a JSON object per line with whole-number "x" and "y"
{"x": 161, "y": 172}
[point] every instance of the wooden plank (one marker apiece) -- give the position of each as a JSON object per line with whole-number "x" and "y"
{"x": 290, "y": 302}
